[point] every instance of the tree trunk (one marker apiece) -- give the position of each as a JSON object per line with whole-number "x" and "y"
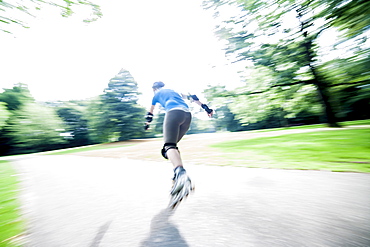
{"x": 322, "y": 90}
{"x": 328, "y": 108}
{"x": 318, "y": 82}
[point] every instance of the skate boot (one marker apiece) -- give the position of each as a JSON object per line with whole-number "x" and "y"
{"x": 181, "y": 188}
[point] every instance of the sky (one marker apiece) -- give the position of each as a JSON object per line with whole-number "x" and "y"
{"x": 163, "y": 40}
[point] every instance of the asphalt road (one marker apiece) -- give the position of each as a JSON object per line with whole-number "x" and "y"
{"x": 88, "y": 201}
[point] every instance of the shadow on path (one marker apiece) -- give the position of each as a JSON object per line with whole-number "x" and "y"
{"x": 99, "y": 236}
{"x": 163, "y": 233}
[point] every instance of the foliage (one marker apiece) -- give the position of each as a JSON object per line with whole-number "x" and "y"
{"x": 116, "y": 116}
{"x": 11, "y": 9}
{"x": 76, "y": 125}
{"x": 225, "y": 119}
{"x": 29, "y": 126}
{"x": 11, "y": 224}
{"x": 350, "y": 16}
{"x": 16, "y": 97}
{"x": 4, "y": 114}
{"x": 276, "y": 107}
{"x": 158, "y": 123}
{"x": 354, "y": 101}
{"x": 33, "y": 128}
{"x": 284, "y": 38}
{"x": 352, "y": 84}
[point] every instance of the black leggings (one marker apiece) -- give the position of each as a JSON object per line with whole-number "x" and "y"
{"x": 176, "y": 124}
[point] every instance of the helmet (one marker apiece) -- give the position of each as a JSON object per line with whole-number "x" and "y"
{"x": 158, "y": 84}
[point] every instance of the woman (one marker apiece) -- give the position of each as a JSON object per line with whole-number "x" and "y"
{"x": 176, "y": 123}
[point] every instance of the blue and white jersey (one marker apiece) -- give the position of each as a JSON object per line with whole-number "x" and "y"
{"x": 169, "y": 99}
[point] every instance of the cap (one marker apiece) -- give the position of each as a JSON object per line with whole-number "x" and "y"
{"x": 158, "y": 84}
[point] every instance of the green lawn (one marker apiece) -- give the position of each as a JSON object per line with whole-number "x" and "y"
{"x": 336, "y": 150}
{"x": 11, "y": 225}
{"x": 317, "y": 126}
{"x": 357, "y": 122}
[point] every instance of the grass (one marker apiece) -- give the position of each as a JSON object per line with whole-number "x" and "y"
{"x": 11, "y": 225}
{"x": 316, "y": 126}
{"x": 335, "y": 150}
{"x": 357, "y": 122}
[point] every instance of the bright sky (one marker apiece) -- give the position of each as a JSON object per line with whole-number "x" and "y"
{"x": 64, "y": 58}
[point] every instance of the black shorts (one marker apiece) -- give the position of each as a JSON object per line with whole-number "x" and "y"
{"x": 176, "y": 124}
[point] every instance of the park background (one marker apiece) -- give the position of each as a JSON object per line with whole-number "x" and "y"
{"x": 284, "y": 65}
{"x": 83, "y": 83}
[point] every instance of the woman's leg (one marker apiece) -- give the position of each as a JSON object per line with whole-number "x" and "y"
{"x": 176, "y": 124}
{"x": 173, "y": 131}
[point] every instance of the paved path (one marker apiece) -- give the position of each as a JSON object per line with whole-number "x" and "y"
{"x": 89, "y": 201}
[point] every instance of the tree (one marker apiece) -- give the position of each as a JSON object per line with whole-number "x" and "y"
{"x": 76, "y": 125}
{"x": 29, "y": 126}
{"x": 352, "y": 82}
{"x": 158, "y": 123}
{"x": 225, "y": 119}
{"x": 9, "y": 9}
{"x": 4, "y": 114}
{"x": 118, "y": 115}
{"x": 16, "y": 97}
{"x": 354, "y": 102}
{"x": 95, "y": 115}
{"x": 32, "y": 128}
{"x": 349, "y": 16}
{"x": 283, "y": 36}
{"x": 12, "y": 99}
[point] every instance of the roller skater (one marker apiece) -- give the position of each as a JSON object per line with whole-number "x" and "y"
{"x": 176, "y": 123}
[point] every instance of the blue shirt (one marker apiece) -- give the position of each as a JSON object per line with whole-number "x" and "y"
{"x": 169, "y": 99}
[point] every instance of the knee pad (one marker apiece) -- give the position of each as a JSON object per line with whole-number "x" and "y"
{"x": 166, "y": 147}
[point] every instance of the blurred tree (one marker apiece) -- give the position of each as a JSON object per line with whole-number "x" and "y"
{"x": 283, "y": 36}
{"x": 201, "y": 125}
{"x": 118, "y": 116}
{"x": 32, "y": 128}
{"x": 352, "y": 79}
{"x": 95, "y": 115}
{"x": 349, "y": 16}
{"x": 225, "y": 119}
{"x": 158, "y": 122}
{"x": 13, "y": 99}
{"x": 354, "y": 102}
{"x": 4, "y": 114}
{"x": 10, "y": 9}
{"x": 16, "y": 97}
{"x": 76, "y": 126}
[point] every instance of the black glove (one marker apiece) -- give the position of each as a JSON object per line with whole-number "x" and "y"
{"x": 193, "y": 97}
{"x": 149, "y": 117}
{"x": 208, "y": 110}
